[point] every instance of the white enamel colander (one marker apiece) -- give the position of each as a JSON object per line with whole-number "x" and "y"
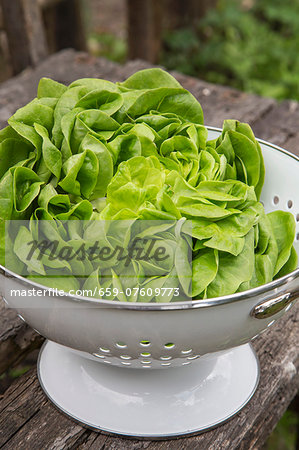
{"x": 97, "y": 363}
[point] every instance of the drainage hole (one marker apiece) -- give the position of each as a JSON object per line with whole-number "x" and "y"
{"x": 121, "y": 345}
{"x": 186, "y": 352}
{"x": 104, "y": 350}
{"x": 275, "y": 200}
{"x": 98, "y": 356}
{"x": 169, "y": 345}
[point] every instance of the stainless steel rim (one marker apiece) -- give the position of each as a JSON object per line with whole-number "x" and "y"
{"x": 211, "y": 302}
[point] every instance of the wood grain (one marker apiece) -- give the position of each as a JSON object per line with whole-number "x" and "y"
{"x": 26, "y": 416}
{"x": 218, "y": 102}
{"x": 17, "y": 339}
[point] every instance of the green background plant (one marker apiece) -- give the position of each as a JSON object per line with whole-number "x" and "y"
{"x": 253, "y": 48}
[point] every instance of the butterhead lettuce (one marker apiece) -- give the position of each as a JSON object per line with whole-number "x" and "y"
{"x": 138, "y": 150}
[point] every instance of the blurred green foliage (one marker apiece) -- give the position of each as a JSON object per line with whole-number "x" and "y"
{"x": 15, "y": 372}
{"x": 284, "y": 437}
{"x": 108, "y": 45}
{"x": 250, "y": 45}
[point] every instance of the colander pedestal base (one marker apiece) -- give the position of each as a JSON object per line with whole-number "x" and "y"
{"x": 152, "y": 403}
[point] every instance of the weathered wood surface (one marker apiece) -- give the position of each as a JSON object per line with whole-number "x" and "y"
{"x": 25, "y": 414}
{"x": 17, "y": 339}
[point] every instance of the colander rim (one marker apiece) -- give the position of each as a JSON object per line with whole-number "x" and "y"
{"x": 187, "y": 304}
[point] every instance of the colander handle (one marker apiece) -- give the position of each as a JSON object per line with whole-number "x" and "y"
{"x": 274, "y": 305}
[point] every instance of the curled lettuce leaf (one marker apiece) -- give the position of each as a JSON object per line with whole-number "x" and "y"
{"x": 99, "y": 151}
